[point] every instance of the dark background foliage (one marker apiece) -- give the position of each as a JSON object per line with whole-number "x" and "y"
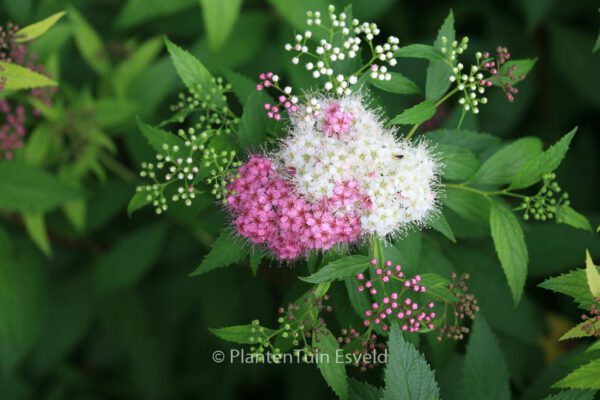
{"x": 114, "y": 314}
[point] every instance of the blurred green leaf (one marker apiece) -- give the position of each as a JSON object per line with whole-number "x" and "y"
{"x": 416, "y": 114}
{"x": 19, "y": 78}
{"x": 89, "y": 43}
{"x": 295, "y": 12}
{"x": 502, "y": 166}
{"x": 420, "y": 51}
{"x": 252, "y": 128}
{"x": 332, "y": 370}
{"x": 566, "y": 215}
{"x": 226, "y": 250}
{"x": 407, "y": 375}
{"x": 585, "y": 377}
{"x": 346, "y": 267}
{"x": 26, "y": 188}
{"x": 398, "y": 84}
{"x": 485, "y": 373}
{"x": 543, "y": 163}
{"x": 122, "y": 267}
{"x": 133, "y": 66}
{"x": 36, "y": 227}
{"x": 219, "y": 19}
{"x": 138, "y": 200}
{"x": 438, "y": 72}
{"x": 242, "y": 334}
{"x": 509, "y": 242}
{"x": 37, "y": 29}
{"x": 136, "y": 12}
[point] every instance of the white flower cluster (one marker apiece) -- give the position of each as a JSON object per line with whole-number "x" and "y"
{"x": 399, "y": 177}
{"x": 326, "y": 52}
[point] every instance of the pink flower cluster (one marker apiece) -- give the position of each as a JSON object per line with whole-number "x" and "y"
{"x": 12, "y": 130}
{"x": 337, "y": 122}
{"x": 411, "y": 315}
{"x": 268, "y": 210}
{"x": 507, "y": 79}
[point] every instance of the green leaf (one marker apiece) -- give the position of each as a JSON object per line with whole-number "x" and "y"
{"x": 138, "y": 200}
{"x": 363, "y": 391}
{"x": 572, "y": 395}
{"x": 597, "y": 45}
{"x": 21, "y": 301}
{"x": 543, "y": 163}
{"x": 89, "y": 43}
{"x": 193, "y": 73}
{"x": 523, "y": 67}
{"x": 509, "y": 242}
{"x": 420, "y": 51}
{"x": 37, "y": 29}
{"x": 36, "y": 228}
{"x": 295, "y": 13}
{"x": 485, "y": 373}
{"x": 437, "y": 287}
{"x": 122, "y": 267}
{"x": 566, "y": 215}
{"x": 407, "y": 375}
{"x": 501, "y": 167}
{"x": 467, "y": 204}
{"x": 332, "y": 370}
{"x": 252, "y": 128}
{"x": 475, "y": 142}
{"x": 592, "y": 275}
{"x": 346, "y": 267}
{"x": 438, "y": 72}
{"x": 137, "y": 11}
{"x": 135, "y": 65}
{"x": 219, "y": 19}
{"x": 26, "y": 188}
{"x": 398, "y": 84}
{"x": 573, "y": 284}
{"x": 158, "y": 138}
{"x": 440, "y": 224}
{"x": 18, "y": 77}
{"x": 459, "y": 164}
{"x": 577, "y": 331}
{"x": 416, "y": 114}
{"x": 225, "y": 251}
{"x": 585, "y": 377}
{"x": 242, "y": 86}
{"x": 241, "y": 334}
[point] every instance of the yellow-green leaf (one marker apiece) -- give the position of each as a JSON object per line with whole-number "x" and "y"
{"x": 593, "y": 277}
{"x": 36, "y": 227}
{"x": 37, "y": 29}
{"x": 18, "y": 77}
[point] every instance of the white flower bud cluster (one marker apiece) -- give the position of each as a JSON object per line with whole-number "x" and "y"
{"x": 400, "y": 178}
{"x": 326, "y": 53}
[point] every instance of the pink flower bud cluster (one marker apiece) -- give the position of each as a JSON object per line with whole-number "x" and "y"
{"x": 337, "y": 122}
{"x": 507, "y": 79}
{"x": 12, "y": 129}
{"x": 286, "y": 100}
{"x": 269, "y": 211}
{"x": 412, "y": 316}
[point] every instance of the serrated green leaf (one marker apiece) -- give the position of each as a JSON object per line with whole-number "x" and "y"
{"x": 485, "y": 373}
{"x": 36, "y": 228}
{"x": 594, "y": 347}
{"x": 543, "y": 163}
{"x": 241, "y": 334}
{"x": 568, "y": 216}
{"x": 585, "y": 377}
{"x": 573, "y": 284}
{"x": 458, "y": 164}
{"x": 89, "y": 43}
{"x": 509, "y": 242}
{"x": 572, "y": 395}
{"x": 398, "y": 84}
{"x": 26, "y": 188}
{"x": 252, "y": 128}
{"x": 420, "y": 51}
{"x": 438, "y": 72}
{"x": 501, "y": 167}
{"x": 333, "y": 371}
{"x": 18, "y": 77}
{"x": 577, "y": 331}
{"x": 440, "y": 224}
{"x": 346, "y": 267}
{"x": 520, "y": 67}
{"x": 193, "y": 73}
{"x": 592, "y": 275}
{"x": 219, "y": 19}
{"x": 158, "y": 138}
{"x": 122, "y": 267}
{"x": 363, "y": 391}
{"x": 416, "y": 114}
{"x": 225, "y": 251}
{"x": 407, "y": 375}
{"x": 37, "y": 29}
